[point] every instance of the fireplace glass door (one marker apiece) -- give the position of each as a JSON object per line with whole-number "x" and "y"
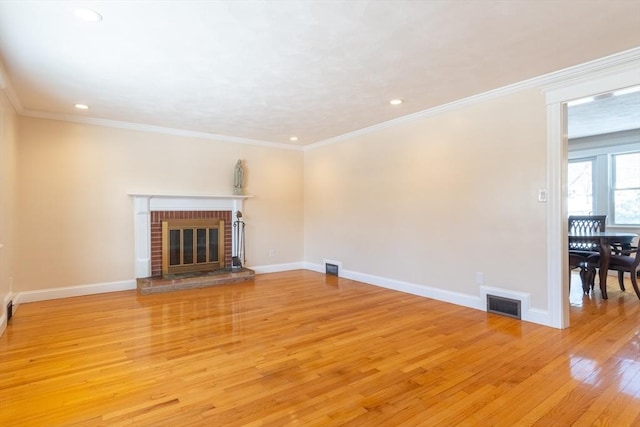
{"x": 191, "y": 245}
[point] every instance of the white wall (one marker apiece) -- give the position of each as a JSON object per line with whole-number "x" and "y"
{"x": 434, "y": 201}
{"x": 76, "y": 217}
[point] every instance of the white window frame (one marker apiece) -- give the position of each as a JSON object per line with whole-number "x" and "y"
{"x": 613, "y": 188}
{"x": 594, "y": 187}
{"x": 603, "y": 175}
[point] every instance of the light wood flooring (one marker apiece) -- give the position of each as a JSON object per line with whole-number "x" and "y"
{"x": 302, "y": 348}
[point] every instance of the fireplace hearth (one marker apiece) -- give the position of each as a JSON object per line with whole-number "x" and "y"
{"x": 182, "y": 281}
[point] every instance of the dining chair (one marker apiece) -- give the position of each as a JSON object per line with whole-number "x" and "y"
{"x": 587, "y": 272}
{"x": 581, "y": 249}
{"x": 593, "y": 223}
{"x": 622, "y": 264}
{"x": 587, "y": 223}
{"x": 624, "y": 249}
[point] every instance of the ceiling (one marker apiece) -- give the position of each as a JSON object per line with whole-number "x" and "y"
{"x": 606, "y": 113}
{"x": 268, "y": 70}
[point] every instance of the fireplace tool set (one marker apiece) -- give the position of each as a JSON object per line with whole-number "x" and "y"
{"x": 238, "y": 257}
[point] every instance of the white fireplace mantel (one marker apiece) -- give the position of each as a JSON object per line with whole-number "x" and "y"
{"x": 144, "y": 204}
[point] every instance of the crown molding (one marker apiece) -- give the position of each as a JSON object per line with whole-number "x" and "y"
{"x": 629, "y": 59}
{"x": 624, "y": 60}
{"x": 155, "y": 129}
{"x": 7, "y": 87}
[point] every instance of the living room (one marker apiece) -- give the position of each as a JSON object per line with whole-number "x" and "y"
{"x": 473, "y": 161}
{"x": 392, "y": 203}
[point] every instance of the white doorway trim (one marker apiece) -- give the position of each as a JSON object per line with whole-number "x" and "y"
{"x": 611, "y": 73}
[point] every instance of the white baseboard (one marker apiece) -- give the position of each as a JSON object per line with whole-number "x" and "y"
{"x": 8, "y": 297}
{"x": 124, "y": 285}
{"x": 275, "y": 268}
{"x": 533, "y": 315}
{"x": 317, "y": 267}
{"x": 407, "y": 287}
{"x": 74, "y": 291}
{"x": 476, "y": 302}
{"x": 3, "y": 310}
{"x": 419, "y": 290}
{"x": 539, "y": 316}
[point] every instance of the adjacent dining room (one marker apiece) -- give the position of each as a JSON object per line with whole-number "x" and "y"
{"x": 603, "y": 197}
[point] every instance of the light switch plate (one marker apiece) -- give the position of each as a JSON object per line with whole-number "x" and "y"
{"x": 542, "y": 194}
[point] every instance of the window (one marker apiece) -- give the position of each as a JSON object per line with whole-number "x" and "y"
{"x": 626, "y": 188}
{"x": 606, "y": 182}
{"x": 580, "y": 186}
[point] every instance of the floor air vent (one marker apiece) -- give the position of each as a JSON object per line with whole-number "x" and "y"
{"x": 504, "y": 306}
{"x": 331, "y": 269}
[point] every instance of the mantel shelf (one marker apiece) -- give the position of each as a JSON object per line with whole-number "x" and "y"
{"x": 191, "y": 196}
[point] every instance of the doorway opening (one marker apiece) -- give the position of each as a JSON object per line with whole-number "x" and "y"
{"x": 608, "y": 75}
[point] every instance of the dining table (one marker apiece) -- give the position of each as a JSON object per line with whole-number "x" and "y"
{"x": 605, "y": 240}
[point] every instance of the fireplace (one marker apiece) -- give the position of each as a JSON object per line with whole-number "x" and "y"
{"x": 202, "y": 239}
{"x": 190, "y": 241}
{"x": 151, "y": 210}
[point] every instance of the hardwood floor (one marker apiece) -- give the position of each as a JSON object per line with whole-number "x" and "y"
{"x": 302, "y": 348}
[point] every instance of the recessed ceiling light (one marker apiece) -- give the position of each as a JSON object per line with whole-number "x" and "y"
{"x": 396, "y": 101}
{"x": 82, "y": 106}
{"x": 88, "y": 15}
{"x": 293, "y": 139}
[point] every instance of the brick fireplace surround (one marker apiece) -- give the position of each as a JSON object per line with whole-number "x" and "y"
{"x": 156, "y": 233}
{"x": 150, "y": 209}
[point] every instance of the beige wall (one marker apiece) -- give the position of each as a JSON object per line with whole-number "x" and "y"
{"x": 76, "y": 218}
{"x": 435, "y": 200}
{"x": 8, "y": 168}
{"x": 431, "y": 202}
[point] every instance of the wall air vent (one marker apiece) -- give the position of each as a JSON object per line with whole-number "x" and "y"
{"x": 504, "y": 306}
{"x": 331, "y": 269}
